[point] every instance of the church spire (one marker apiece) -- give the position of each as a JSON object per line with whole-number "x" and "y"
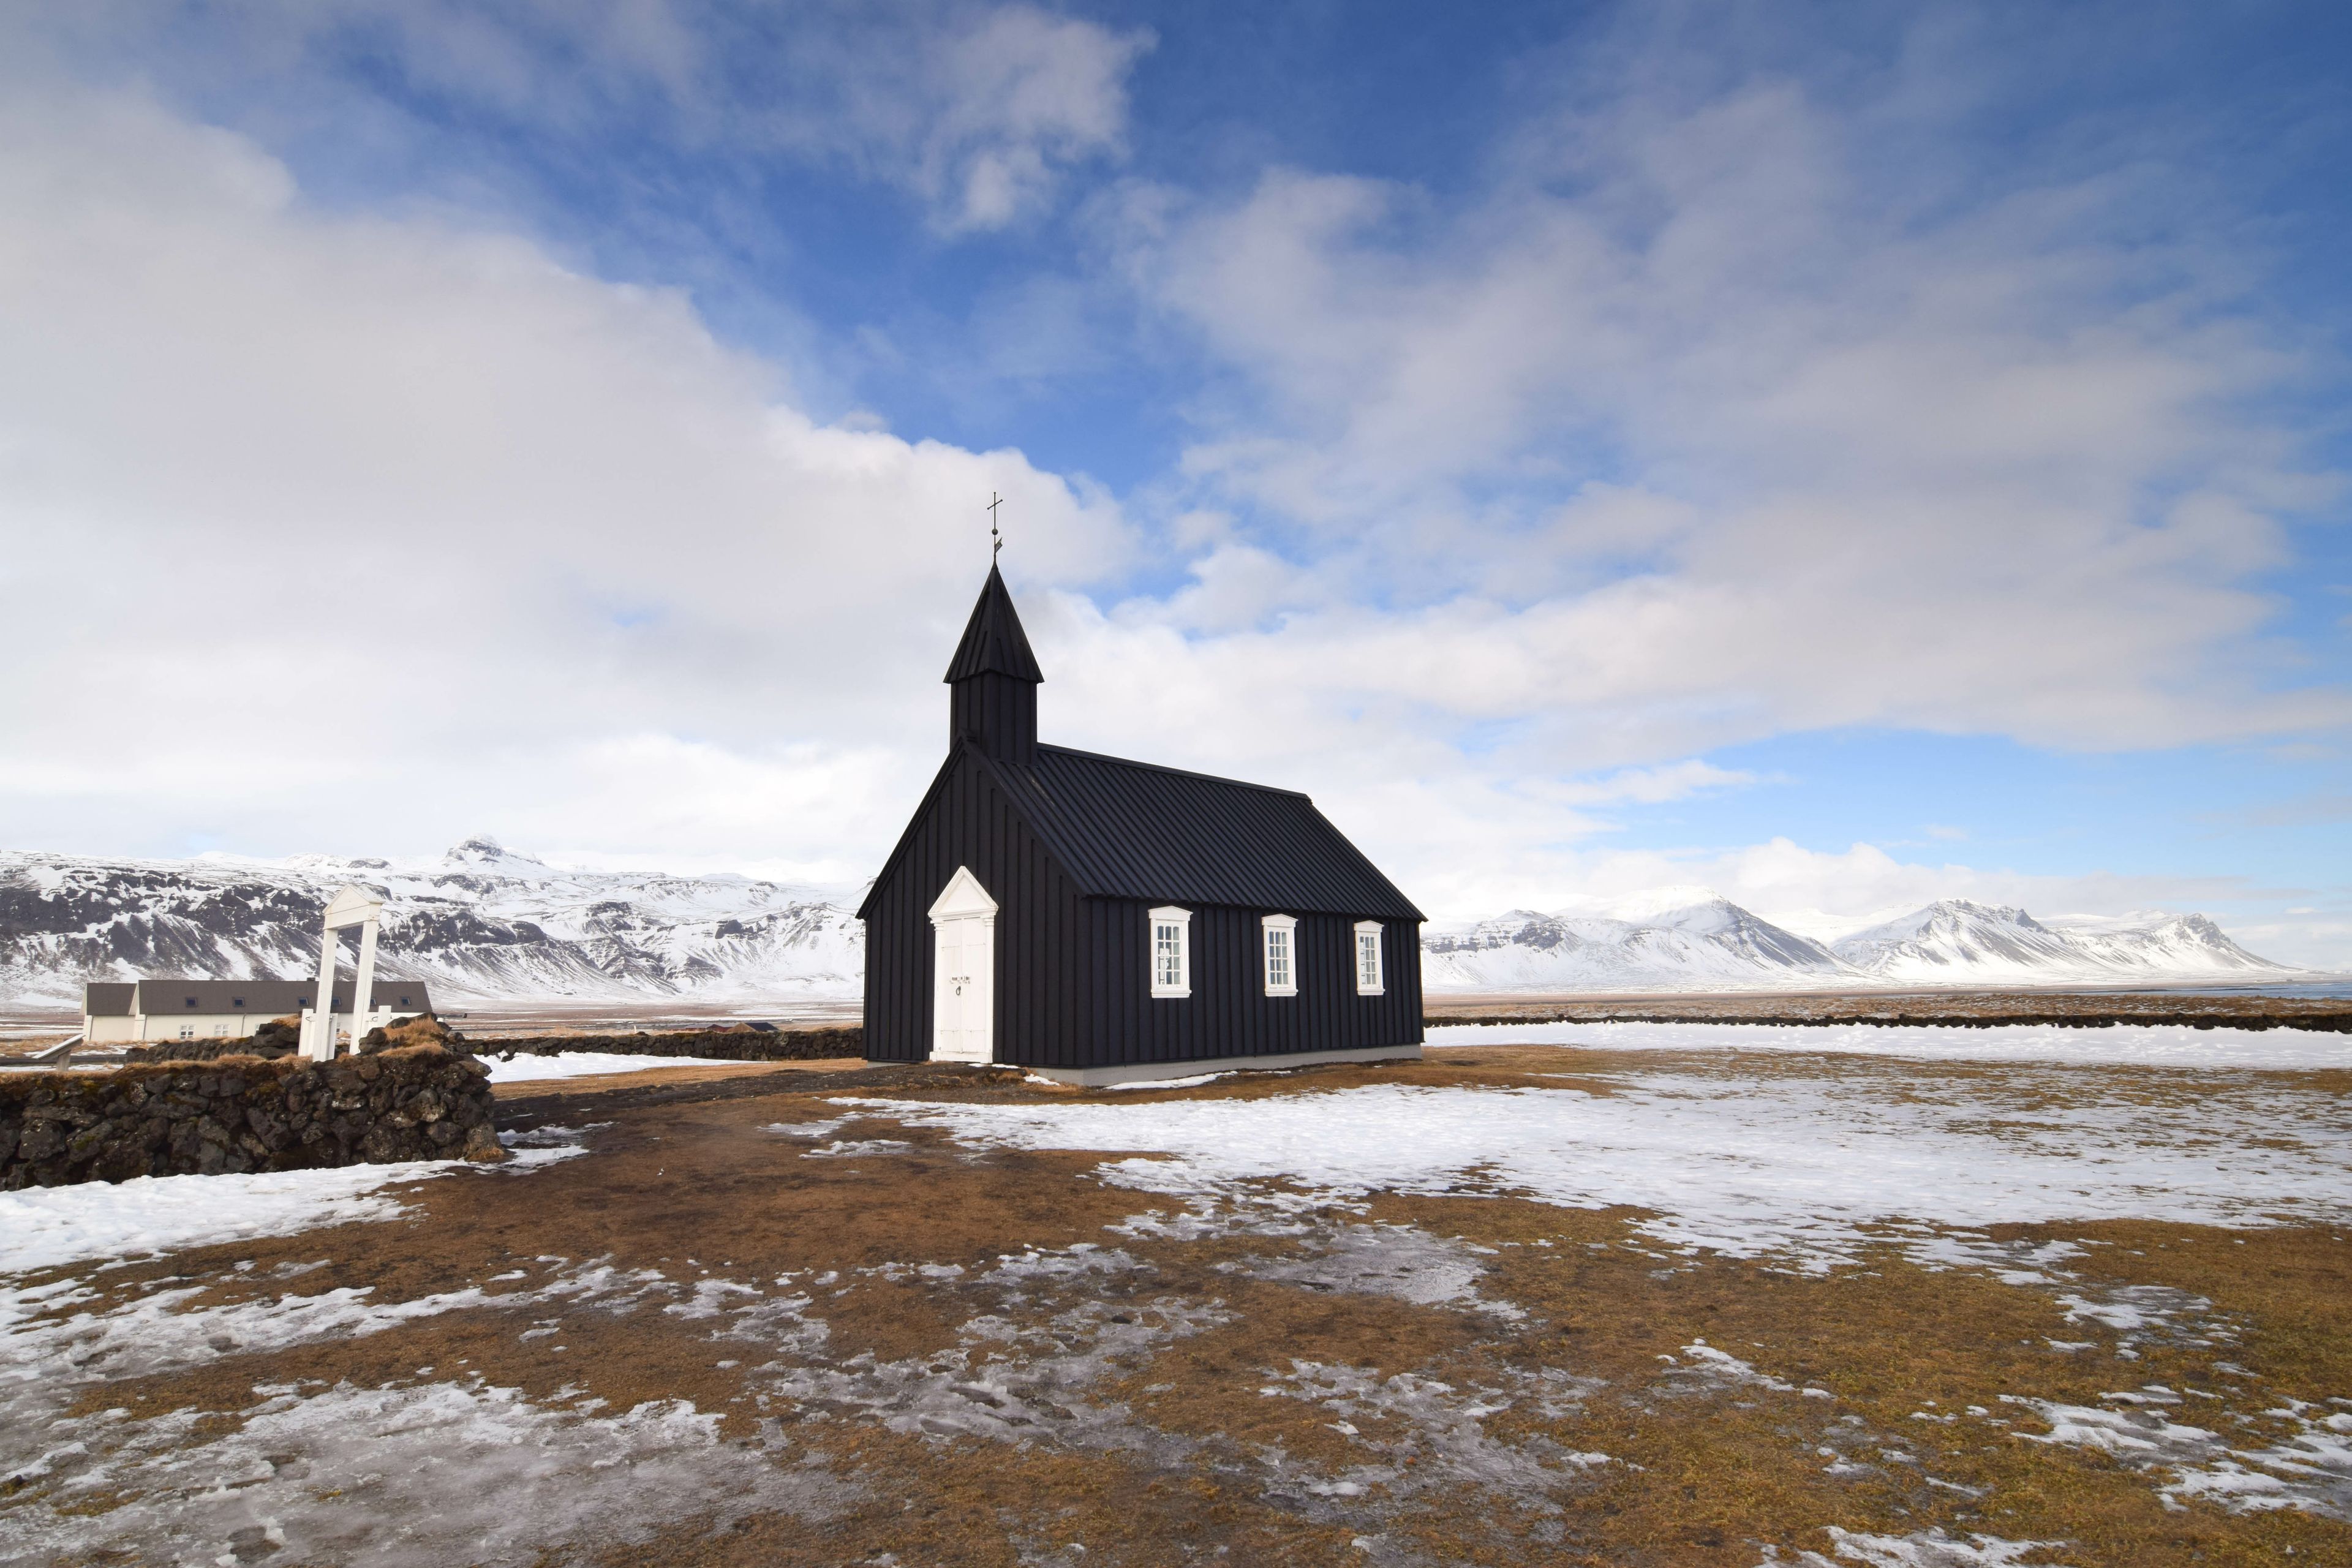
{"x": 993, "y": 679}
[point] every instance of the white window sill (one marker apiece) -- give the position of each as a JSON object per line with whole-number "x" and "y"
{"x": 1163, "y": 991}
{"x": 1374, "y": 990}
{"x": 1283, "y": 991}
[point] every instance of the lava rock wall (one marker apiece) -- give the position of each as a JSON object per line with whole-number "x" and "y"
{"x": 733, "y": 1044}
{"x": 243, "y": 1113}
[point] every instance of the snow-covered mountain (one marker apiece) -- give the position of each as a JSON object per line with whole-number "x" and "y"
{"x": 1693, "y": 937}
{"x": 480, "y": 923}
{"x": 485, "y": 923}
{"x": 1675, "y": 937}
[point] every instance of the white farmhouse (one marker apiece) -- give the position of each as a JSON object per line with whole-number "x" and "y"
{"x": 148, "y": 1011}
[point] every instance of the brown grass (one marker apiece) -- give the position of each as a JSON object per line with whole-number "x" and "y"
{"x": 1701, "y": 1471}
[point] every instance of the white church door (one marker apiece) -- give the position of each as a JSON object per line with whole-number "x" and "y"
{"x": 963, "y": 983}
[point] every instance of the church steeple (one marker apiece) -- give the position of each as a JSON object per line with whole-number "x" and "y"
{"x": 993, "y": 679}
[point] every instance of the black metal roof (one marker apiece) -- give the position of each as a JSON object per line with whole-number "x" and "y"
{"x": 1131, "y": 830}
{"x": 993, "y": 638}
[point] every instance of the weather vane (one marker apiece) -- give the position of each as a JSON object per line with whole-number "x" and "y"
{"x": 995, "y": 539}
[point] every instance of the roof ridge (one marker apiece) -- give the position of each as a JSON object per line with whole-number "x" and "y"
{"x": 1180, "y": 772}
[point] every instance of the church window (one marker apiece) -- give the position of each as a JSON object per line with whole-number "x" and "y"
{"x": 1171, "y": 952}
{"x": 1368, "y": 959}
{"x": 1281, "y": 956}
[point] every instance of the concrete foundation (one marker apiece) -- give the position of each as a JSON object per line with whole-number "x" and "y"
{"x": 1147, "y": 1072}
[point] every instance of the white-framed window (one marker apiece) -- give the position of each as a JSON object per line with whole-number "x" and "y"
{"x": 1281, "y": 956}
{"x": 1171, "y": 952}
{"x": 1368, "y": 959}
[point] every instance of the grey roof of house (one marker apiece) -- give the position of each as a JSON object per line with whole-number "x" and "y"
{"x": 106, "y": 999}
{"x": 1133, "y": 830}
{"x": 271, "y": 997}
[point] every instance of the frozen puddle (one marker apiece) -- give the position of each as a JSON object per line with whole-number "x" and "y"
{"x": 1742, "y": 1165}
{"x": 425, "y": 1475}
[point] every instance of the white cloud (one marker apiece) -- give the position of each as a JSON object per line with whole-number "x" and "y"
{"x": 980, "y": 111}
{"x": 1959, "y": 466}
{"x": 348, "y": 531}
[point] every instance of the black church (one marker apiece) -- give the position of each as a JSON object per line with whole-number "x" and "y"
{"x": 1100, "y": 920}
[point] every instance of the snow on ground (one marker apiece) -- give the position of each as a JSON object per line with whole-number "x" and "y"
{"x": 2122, "y": 1045}
{"x": 44, "y": 1227}
{"x": 1747, "y": 1164}
{"x": 585, "y": 1064}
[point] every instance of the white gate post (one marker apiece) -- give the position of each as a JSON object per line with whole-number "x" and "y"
{"x": 363, "y": 988}
{"x": 319, "y": 1040}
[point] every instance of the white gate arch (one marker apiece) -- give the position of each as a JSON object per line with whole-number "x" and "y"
{"x": 354, "y": 906}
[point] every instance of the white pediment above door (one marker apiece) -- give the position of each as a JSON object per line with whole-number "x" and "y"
{"x": 962, "y": 898}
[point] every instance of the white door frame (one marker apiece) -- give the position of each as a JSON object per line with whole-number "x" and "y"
{"x": 963, "y": 923}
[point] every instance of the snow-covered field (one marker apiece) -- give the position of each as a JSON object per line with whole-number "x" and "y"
{"x": 1807, "y": 1166}
{"x": 2121, "y": 1044}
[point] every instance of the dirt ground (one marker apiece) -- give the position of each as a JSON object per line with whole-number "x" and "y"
{"x": 910, "y": 1350}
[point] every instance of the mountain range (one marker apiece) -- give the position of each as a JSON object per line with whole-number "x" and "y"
{"x": 1693, "y": 937}
{"x": 481, "y": 923}
{"x": 485, "y": 923}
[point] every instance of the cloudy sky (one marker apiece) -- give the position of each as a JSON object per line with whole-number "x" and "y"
{"x": 1841, "y": 454}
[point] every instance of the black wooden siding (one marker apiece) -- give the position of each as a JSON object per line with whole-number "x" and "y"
{"x": 1229, "y": 1013}
{"x": 1041, "y": 952}
{"x": 996, "y": 713}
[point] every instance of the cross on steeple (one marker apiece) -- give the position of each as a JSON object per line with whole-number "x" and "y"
{"x": 995, "y": 539}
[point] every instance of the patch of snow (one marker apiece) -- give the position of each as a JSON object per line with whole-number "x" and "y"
{"x": 1192, "y": 1082}
{"x": 2307, "y": 1467}
{"x": 44, "y": 1227}
{"x": 1920, "y": 1548}
{"x": 1718, "y": 1369}
{"x": 1445, "y": 1441}
{"x": 807, "y": 1129}
{"x": 586, "y": 1064}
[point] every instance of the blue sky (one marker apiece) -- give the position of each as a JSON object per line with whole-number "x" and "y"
{"x": 1841, "y": 454}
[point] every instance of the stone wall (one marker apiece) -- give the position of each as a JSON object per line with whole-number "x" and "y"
{"x": 243, "y": 1113}
{"x": 283, "y": 1037}
{"x": 733, "y": 1044}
